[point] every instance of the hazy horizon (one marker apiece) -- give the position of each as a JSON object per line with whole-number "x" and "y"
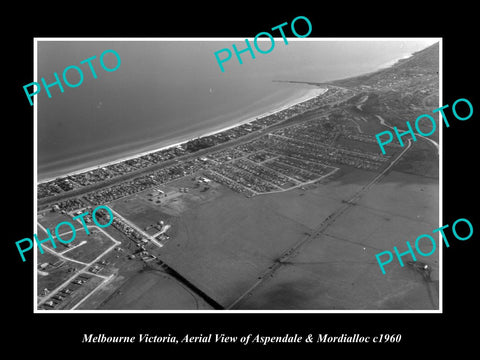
{"x": 165, "y": 89}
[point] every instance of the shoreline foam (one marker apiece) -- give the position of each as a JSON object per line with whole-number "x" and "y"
{"x": 316, "y": 92}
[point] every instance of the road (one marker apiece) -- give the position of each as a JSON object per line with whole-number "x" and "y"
{"x": 290, "y": 252}
{"x": 382, "y": 121}
{"x": 306, "y": 116}
{"x": 132, "y": 225}
{"x": 349, "y": 152}
{"x": 85, "y": 268}
{"x": 299, "y": 185}
{"x": 74, "y": 247}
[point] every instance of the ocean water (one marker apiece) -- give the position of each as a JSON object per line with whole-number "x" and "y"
{"x": 165, "y": 92}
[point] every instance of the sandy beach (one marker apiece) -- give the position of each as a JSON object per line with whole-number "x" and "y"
{"x": 314, "y": 92}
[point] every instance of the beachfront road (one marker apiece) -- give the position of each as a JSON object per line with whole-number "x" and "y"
{"x": 306, "y": 116}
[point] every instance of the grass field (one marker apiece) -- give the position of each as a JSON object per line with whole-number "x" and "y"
{"x": 338, "y": 269}
{"x": 138, "y": 210}
{"x": 331, "y": 276}
{"x": 222, "y": 247}
{"x": 153, "y": 290}
{"x": 222, "y": 242}
{"x": 419, "y": 161}
{"x": 310, "y": 207}
{"x": 96, "y": 243}
{"x": 51, "y": 219}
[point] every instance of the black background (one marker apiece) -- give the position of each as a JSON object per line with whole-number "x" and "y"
{"x": 54, "y": 333}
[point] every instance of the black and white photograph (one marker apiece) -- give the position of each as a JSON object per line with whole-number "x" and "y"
{"x": 204, "y": 178}
{"x": 260, "y": 187}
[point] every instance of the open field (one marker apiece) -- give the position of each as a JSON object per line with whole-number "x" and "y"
{"x": 407, "y": 196}
{"x": 338, "y": 269}
{"x": 93, "y": 245}
{"x": 239, "y": 239}
{"x": 224, "y": 246}
{"x": 311, "y": 206}
{"x": 123, "y": 271}
{"x": 422, "y": 161}
{"x": 138, "y": 210}
{"x": 152, "y": 290}
{"x": 221, "y": 257}
{"x": 50, "y": 219}
{"x": 222, "y": 243}
{"x": 327, "y": 275}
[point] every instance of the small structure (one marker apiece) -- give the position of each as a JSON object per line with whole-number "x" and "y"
{"x": 204, "y": 180}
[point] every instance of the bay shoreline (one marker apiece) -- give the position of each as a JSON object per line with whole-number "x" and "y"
{"x": 312, "y": 93}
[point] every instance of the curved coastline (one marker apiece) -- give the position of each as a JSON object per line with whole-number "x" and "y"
{"x": 310, "y": 93}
